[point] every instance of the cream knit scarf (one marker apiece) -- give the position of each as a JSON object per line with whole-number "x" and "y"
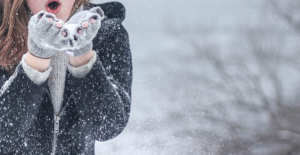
{"x": 57, "y": 79}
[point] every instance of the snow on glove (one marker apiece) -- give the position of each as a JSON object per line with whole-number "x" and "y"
{"x": 45, "y": 35}
{"x": 81, "y": 30}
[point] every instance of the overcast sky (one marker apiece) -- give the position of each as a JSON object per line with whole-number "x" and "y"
{"x": 145, "y": 18}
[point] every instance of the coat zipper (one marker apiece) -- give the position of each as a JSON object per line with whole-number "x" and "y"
{"x": 56, "y": 124}
{"x": 56, "y": 127}
{"x": 56, "y": 131}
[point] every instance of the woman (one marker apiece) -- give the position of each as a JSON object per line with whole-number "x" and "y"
{"x": 64, "y": 83}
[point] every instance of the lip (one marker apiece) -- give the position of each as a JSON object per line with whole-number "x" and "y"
{"x": 53, "y": 11}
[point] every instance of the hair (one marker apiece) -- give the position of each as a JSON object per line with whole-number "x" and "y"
{"x": 15, "y": 15}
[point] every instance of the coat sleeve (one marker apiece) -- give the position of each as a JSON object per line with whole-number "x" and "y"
{"x": 103, "y": 96}
{"x": 20, "y": 99}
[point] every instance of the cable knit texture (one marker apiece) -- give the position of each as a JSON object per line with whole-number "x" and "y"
{"x": 82, "y": 71}
{"x": 34, "y": 75}
{"x": 57, "y": 79}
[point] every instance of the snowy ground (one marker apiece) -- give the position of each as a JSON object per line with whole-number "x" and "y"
{"x": 150, "y": 131}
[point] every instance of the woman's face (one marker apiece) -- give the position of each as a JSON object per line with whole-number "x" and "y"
{"x": 60, "y": 8}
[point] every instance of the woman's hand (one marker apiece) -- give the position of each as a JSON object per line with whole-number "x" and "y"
{"x": 37, "y": 63}
{"x": 81, "y": 60}
{"x": 82, "y": 28}
{"x": 46, "y": 35}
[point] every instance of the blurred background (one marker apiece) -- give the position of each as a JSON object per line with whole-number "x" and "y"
{"x": 212, "y": 77}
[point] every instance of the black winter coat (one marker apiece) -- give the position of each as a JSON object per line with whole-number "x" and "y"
{"x": 96, "y": 107}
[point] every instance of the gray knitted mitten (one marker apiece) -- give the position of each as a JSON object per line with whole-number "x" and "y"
{"x": 81, "y": 29}
{"x": 45, "y": 35}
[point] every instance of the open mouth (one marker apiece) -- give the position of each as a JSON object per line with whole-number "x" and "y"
{"x": 53, "y": 6}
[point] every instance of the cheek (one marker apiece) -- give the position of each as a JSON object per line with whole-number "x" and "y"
{"x": 69, "y": 5}
{"x": 34, "y": 6}
{"x": 66, "y": 9}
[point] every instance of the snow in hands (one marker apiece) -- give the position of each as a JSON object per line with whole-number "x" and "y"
{"x": 82, "y": 28}
{"x": 47, "y": 34}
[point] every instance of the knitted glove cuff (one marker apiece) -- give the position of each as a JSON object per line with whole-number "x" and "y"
{"x": 39, "y": 52}
{"x": 34, "y": 75}
{"x": 82, "y": 71}
{"x": 81, "y": 51}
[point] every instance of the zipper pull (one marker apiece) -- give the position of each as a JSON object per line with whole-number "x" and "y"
{"x": 56, "y": 124}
